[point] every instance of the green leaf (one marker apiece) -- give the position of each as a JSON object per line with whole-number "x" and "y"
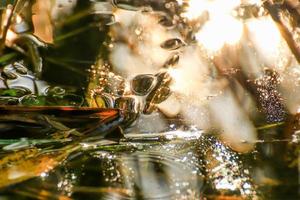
{"x": 9, "y": 92}
{"x": 7, "y": 57}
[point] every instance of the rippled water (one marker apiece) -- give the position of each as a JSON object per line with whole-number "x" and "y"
{"x": 189, "y": 167}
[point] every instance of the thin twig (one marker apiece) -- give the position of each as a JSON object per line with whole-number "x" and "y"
{"x": 274, "y": 11}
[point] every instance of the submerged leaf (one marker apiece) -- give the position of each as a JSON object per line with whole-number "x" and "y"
{"x": 57, "y": 122}
{"x": 26, "y": 164}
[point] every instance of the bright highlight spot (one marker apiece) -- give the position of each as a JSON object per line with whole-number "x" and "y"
{"x": 214, "y": 35}
{"x": 222, "y": 28}
{"x": 214, "y": 7}
{"x": 265, "y": 36}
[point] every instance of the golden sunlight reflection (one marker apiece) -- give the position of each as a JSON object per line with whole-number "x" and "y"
{"x": 186, "y": 79}
{"x": 175, "y": 74}
{"x": 213, "y": 36}
{"x": 227, "y": 42}
{"x": 258, "y": 2}
{"x": 265, "y": 37}
{"x": 10, "y": 37}
{"x": 222, "y": 28}
{"x": 215, "y": 7}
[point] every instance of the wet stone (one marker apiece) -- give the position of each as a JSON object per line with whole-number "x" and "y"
{"x": 9, "y": 75}
{"x": 16, "y": 75}
{"x": 20, "y": 68}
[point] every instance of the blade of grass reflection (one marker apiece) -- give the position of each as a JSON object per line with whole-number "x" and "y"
{"x": 28, "y": 194}
{"x": 24, "y": 164}
{"x": 66, "y": 60}
{"x": 74, "y": 33}
{"x": 43, "y": 194}
{"x": 33, "y": 141}
{"x": 39, "y": 194}
{"x": 59, "y": 126}
{"x": 274, "y": 11}
{"x": 7, "y": 57}
{"x": 20, "y": 5}
{"x": 97, "y": 8}
{"x": 65, "y": 65}
{"x": 83, "y": 189}
{"x": 73, "y": 18}
{"x": 268, "y": 126}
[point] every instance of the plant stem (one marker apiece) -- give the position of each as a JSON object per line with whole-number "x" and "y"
{"x": 274, "y": 11}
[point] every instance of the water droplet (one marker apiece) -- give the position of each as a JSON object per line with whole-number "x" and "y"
{"x": 142, "y": 84}
{"x": 166, "y": 22}
{"x": 55, "y": 91}
{"x": 138, "y": 31}
{"x": 172, "y": 44}
{"x": 172, "y": 60}
{"x": 109, "y": 20}
{"x": 130, "y": 108}
{"x": 160, "y": 92}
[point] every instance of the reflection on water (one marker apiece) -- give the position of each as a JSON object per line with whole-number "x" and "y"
{"x": 189, "y": 168}
{"x": 177, "y": 169}
{"x": 180, "y": 164}
{"x": 207, "y": 93}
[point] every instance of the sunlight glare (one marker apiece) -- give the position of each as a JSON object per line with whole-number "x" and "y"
{"x": 265, "y": 36}
{"x": 222, "y": 28}
{"x": 214, "y": 36}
